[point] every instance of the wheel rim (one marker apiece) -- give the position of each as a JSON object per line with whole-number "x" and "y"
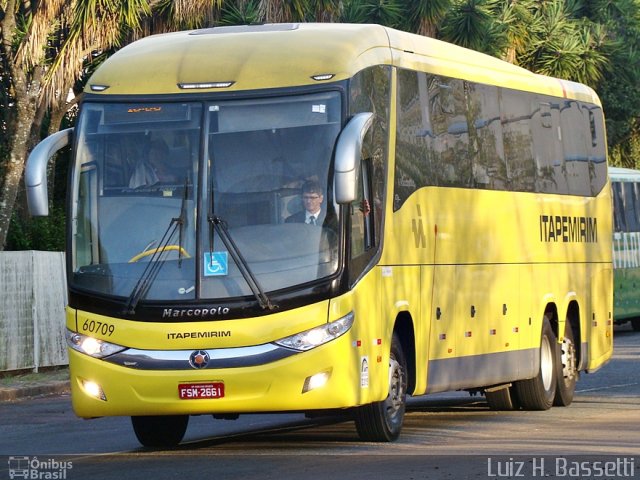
{"x": 568, "y": 360}
{"x": 546, "y": 363}
{"x": 394, "y": 404}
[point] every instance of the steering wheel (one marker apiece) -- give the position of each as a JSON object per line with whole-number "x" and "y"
{"x": 166, "y": 248}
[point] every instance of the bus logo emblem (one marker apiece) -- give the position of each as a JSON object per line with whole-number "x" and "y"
{"x": 199, "y": 359}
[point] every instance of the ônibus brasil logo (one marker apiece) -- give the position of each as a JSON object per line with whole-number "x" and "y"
{"x": 34, "y": 468}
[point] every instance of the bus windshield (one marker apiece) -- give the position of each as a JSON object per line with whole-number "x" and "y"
{"x": 151, "y": 178}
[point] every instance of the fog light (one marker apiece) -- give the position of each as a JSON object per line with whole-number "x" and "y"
{"x": 316, "y": 381}
{"x": 93, "y": 390}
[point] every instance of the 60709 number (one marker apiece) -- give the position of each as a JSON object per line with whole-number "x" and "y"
{"x": 94, "y": 326}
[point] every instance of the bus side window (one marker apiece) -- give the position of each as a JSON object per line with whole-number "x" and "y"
{"x": 629, "y": 200}
{"x": 362, "y": 222}
{"x": 358, "y": 224}
{"x": 618, "y": 210}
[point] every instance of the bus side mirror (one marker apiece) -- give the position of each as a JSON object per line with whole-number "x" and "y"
{"x": 35, "y": 175}
{"x": 348, "y": 157}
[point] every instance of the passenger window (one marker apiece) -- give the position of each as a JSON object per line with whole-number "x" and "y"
{"x": 363, "y": 225}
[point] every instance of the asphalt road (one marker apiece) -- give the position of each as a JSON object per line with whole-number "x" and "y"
{"x": 446, "y": 436}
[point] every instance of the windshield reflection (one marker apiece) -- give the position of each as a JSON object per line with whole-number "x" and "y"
{"x": 265, "y": 158}
{"x": 138, "y": 169}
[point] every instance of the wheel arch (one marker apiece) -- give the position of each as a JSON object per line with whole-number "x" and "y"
{"x": 572, "y": 317}
{"x": 573, "y": 320}
{"x": 551, "y": 312}
{"x": 405, "y": 331}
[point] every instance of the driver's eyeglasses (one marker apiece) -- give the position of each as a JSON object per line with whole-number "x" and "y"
{"x": 310, "y": 197}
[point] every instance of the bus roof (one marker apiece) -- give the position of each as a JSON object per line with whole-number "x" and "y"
{"x": 618, "y": 174}
{"x": 285, "y": 55}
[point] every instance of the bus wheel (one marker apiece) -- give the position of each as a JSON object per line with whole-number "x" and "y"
{"x": 567, "y": 369}
{"x": 160, "y": 431}
{"x": 635, "y": 324}
{"x": 503, "y": 399}
{"x": 539, "y": 392}
{"x": 382, "y": 421}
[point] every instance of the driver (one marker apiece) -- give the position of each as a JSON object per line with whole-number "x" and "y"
{"x": 312, "y": 199}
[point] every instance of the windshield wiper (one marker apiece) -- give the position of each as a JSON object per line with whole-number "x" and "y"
{"x": 150, "y": 272}
{"x": 182, "y": 219}
{"x": 220, "y": 226}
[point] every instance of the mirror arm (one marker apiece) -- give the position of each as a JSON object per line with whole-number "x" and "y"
{"x": 35, "y": 176}
{"x": 348, "y": 156}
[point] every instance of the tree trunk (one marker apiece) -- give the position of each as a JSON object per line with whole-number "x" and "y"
{"x": 13, "y": 173}
{"x": 427, "y": 28}
{"x": 19, "y": 145}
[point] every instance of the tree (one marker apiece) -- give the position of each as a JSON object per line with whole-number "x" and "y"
{"x": 470, "y": 24}
{"x": 49, "y": 47}
{"x": 515, "y": 19}
{"x": 45, "y": 47}
{"x": 618, "y": 88}
{"x": 426, "y": 15}
{"x": 564, "y": 46}
{"x": 240, "y": 13}
{"x": 385, "y": 12}
{"x": 273, "y": 11}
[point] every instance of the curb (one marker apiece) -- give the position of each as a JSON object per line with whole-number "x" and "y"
{"x": 11, "y": 394}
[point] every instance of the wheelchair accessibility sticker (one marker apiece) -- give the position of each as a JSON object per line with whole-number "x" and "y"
{"x": 216, "y": 263}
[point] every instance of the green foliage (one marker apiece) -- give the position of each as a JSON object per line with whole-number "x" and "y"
{"x": 130, "y": 12}
{"x": 242, "y": 14}
{"x": 353, "y": 12}
{"x": 469, "y": 23}
{"x": 385, "y": 12}
{"x": 432, "y": 11}
{"x": 596, "y": 42}
{"x": 37, "y": 233}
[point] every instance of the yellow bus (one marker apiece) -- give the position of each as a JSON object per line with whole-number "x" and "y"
{"x": 462, "y": 240}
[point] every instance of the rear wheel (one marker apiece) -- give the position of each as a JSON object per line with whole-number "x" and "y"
{"x": 539, "y": 392}
{"x": 567, "y": 369}
{"x": 382, "y": 421}
{"x": 160, "y": 431}
{"x": 635, "y": 324}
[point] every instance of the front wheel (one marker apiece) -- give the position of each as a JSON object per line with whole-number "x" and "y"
{"x": 161, "y": 430}
{"x": 382, "y": 421}
{"x": 539, "y": 392}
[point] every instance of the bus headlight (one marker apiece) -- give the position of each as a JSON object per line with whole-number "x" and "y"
{"x": 317, "y": 336}
{"x": 92, "y": 346}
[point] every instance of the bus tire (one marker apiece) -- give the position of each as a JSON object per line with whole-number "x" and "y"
{"x": 161, "y": 430}
{"x": 382, "y": 421}
{"x": 635, "y": 324}
{"x": 567, "y": 369}
{"x": 538, "y": 393}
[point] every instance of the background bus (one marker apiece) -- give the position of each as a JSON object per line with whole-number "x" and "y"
{"x": 466, "y": 241}
{"x": 625, "y": 184}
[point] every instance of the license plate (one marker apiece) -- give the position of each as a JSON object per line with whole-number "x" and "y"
{"x": 195, "y": 391}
